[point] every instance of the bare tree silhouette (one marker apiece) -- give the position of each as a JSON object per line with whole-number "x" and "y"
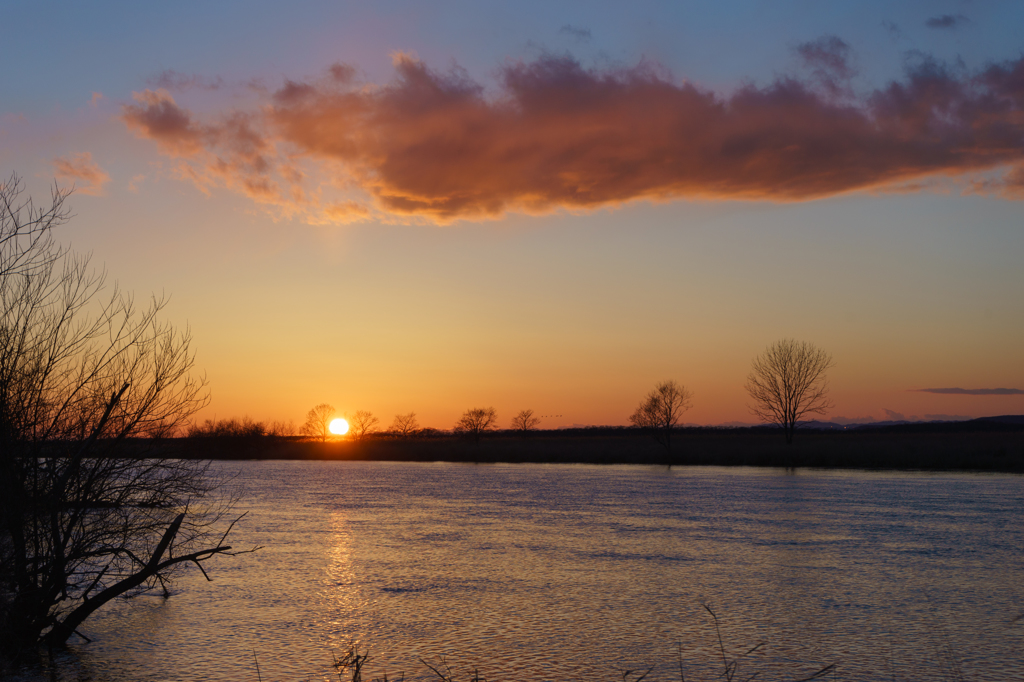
{"x": 362, "y": 423}
{"x": 787, "y": 381}
{"x": 662, "y": 409}
{"x": 476, "y": 421}
{"x": 405, "y": 424}
{"x": 89, "y": 511}
{"x": 318, "y": 422}
{"x": 525, "y": 421}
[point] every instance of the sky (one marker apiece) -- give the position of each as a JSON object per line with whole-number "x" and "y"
{"x": 435, "y": 206}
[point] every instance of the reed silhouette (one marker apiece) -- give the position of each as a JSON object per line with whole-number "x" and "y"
{"x": 350, "y": 665}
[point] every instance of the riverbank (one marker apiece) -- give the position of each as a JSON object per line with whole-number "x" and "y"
{"x": 967, "y": 446}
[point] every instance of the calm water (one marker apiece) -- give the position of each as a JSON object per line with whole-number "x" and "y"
{"x": 536, "y": 572}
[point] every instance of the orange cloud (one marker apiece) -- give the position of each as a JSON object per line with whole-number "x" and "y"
{"x": 80, "y": 169}
{"x": 158, "y": 117}
{"x": 557, "y": 135}
{"x": 234, "y": 152}
{"x": 345, "y": 212}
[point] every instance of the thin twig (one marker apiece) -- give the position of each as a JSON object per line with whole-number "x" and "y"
{"x": 441, "y": 675}
{"x": 721, "y": 645}
{"x": 827, "y": 669}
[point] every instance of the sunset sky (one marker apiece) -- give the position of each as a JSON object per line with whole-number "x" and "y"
{"x": 432, "y": 206}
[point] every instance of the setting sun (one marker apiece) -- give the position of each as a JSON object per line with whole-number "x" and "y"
{"x": 339, "y": 427}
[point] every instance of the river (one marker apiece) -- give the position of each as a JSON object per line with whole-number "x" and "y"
{"x": 576, "y": 572}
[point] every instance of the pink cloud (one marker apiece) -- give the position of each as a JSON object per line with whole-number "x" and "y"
{"x": 158, "y": 117}
{"x": 81, "y": 170}
{"x": 234, "y": 152}
{"x": 556, "y": 135}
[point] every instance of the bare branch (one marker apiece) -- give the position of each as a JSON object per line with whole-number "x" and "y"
{"x": 363, "y": 423}
{"x": 477, "y": 421}
{"x": 88, "y": 380}
{"x": 525, "y": 421}
{"x": 787, "y": 382}
{"x": 404, "y": 424}
{"x": 662, "y": 410}
{"x": 318, "y": 421}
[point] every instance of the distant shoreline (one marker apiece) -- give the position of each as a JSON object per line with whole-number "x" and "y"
{"x": 977, "y": 445}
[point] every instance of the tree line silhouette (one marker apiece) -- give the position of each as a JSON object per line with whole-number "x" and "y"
{"x": 786, "y": 383}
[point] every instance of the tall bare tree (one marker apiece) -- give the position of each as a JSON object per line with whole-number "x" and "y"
{"x": 476, "y": 421}
{"x": 88, "y": 510}
{"x": 525, "y": 421}
{"x": 362, "y": 423}
{"x": 404, "y": 424}
{"x": 787, "y": 381}
{"x": 662, "y": 410}
{"x": 318, "y": 422}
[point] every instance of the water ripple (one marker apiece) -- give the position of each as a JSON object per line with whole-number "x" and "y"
{"x": 578, "y": 572}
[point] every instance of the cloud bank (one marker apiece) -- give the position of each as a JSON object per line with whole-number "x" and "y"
{"x": 972, "y": 391}
{"x": 555, "y": 135}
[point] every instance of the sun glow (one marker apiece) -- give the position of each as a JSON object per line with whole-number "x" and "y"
{"x": 339, "y": 427}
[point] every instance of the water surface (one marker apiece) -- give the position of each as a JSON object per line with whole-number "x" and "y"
{"x": 543, "y": 572}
